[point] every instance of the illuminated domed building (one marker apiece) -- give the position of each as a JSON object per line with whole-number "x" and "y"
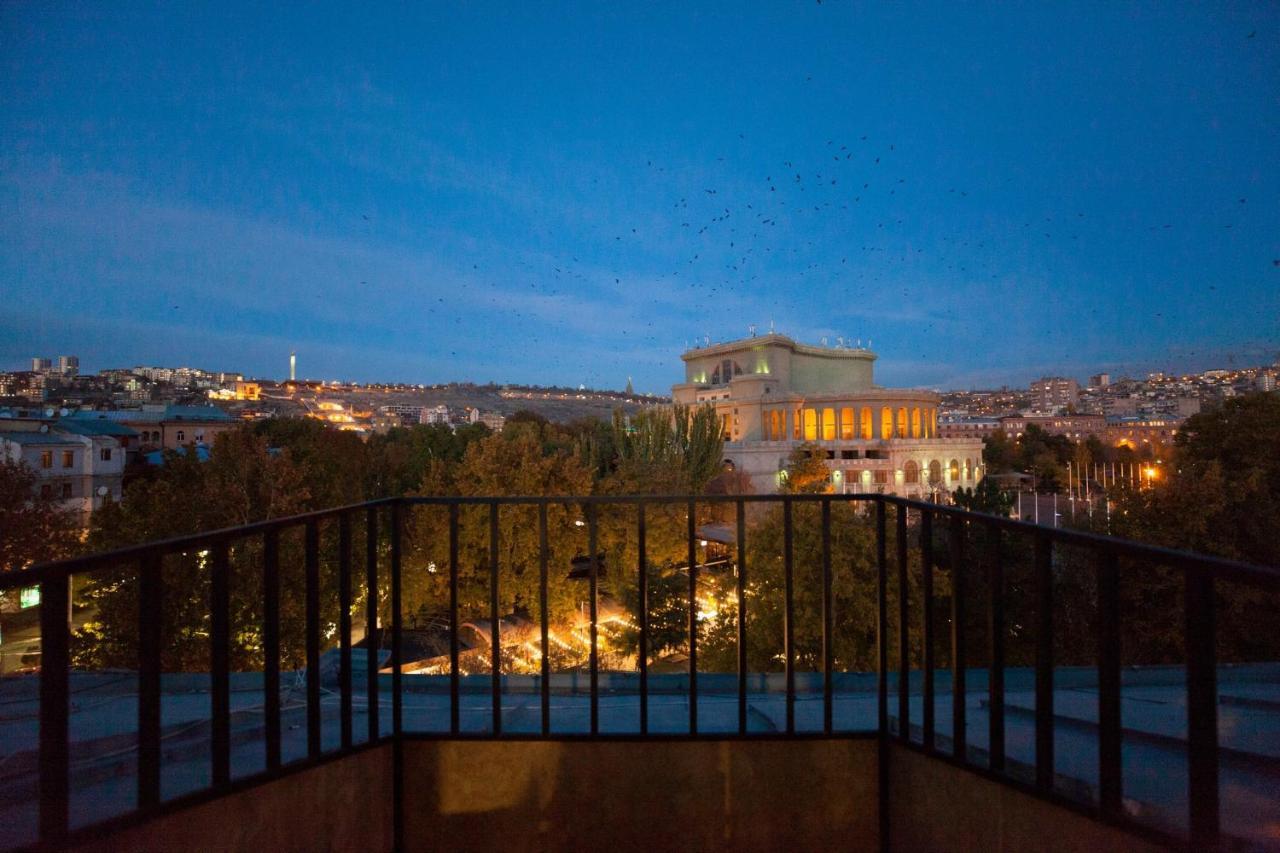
{"x": 774, "y": 394}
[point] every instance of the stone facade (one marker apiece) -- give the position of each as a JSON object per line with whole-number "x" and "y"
{"x": 773, "y": 394}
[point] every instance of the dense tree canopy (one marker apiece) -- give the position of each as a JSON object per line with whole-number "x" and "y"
{"x": 36, "y": 528}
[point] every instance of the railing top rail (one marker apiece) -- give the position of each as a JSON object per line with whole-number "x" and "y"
{"x": 1233, "y": 570}
{"x": 86, "y": 562}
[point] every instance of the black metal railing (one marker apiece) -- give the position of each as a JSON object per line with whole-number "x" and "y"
{"x": 967, "y": 546}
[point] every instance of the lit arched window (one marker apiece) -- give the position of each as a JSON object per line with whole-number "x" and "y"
{"x": 953, "y": 470}
{"x": 886, "y": 422}
{"x": 846, "y": 424}
{"x": 910, "y": 472}
{"x": 902, "y": 422}
{"x": 828, "y": 424}
{"x": 915, "y": 422}
{"x": 810, "y": 424}
{"x": 866, "y": 424}
{"x": 935, "y": 472}
{"x": 968, "y": 469}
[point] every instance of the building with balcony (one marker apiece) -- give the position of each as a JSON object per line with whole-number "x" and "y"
{"x": 167, "y": 427}
{"x": 773, "y": 394}
{"x": 79, "y": 465}
{"x": 1054, "y": 392}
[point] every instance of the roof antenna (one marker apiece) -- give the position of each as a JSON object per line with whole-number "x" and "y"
{"x": 752, "y": 329}
{"x": 824, "y": 340}
{"x": 771, "y": 327}
{"x": 840, "y": 341}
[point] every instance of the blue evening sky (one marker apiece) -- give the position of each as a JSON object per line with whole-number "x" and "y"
{"x": 545, "y": 193}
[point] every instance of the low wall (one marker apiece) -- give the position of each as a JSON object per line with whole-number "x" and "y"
{"x": 934, "y": 805}
{"x": 344, "y": 804}
{"x": 649, "y": 795}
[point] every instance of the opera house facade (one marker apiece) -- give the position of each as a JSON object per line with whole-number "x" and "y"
{"x": 773, "y": 394}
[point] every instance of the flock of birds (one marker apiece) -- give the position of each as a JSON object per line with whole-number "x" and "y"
{"x": 739, "y": 237}
{"x": 842, "y": 219}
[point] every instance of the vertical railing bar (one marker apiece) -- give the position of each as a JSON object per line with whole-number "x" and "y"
{"x": 543, "y": 619}
{"x": 904, "y": 640}
{"x": 882, "y": 616}
{"x": 495, "y": 638}
{"x": 788, "y": 615}
{"x": 1110, "y": 768}
{"x": 828, "y": 635}
{"x": 397, "y": 623}
{"x": 926, "y": 591}
{"x": 219, "y": 664}
{"x": 371, "y": 636}
{"x": 742, "y": 616}
{"x": 344, "y": 626}
{"x": 55, "y": 708}
{"x": 1202, "y": 708}
{"x": 593, "y": 573}
{"x": 959, "y": 735}
{"x": 455, "y": 678}
{"x": 693, "y": 620}
{"x": 643, "y": 583}
{"x": 313, "y": 637}
{"x": 150, "y": 623}
{"x": 271, "y": 645}
{"x": 995, "y": 634}
{"x": 1044, "y": 660}
{"x": 397, "y": 678}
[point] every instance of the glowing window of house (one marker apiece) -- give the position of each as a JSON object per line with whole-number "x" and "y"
{"x": 724, "y": 425}
{"x": 953, "y": 470}
{"x": 68, "y": 458}
{"x": 810, "y": 425}
{"x": 846, "y": 423}
{"x": 910, "y": 472}
{"x": 866, "y": 424}
{"x": 46, "y": 459}
{"x": 902, "y": 422}
{"x": 795, "y": 423}
{"x": 828, "y": 424}
{"x": 935, "y": 471}
{"x": 933, "y": 422}
{"x": 886, "y": 422}
{"x": 915, "y": 422}
{"x": 968, "y": 469}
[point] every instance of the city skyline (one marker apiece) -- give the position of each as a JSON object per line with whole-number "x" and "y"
{"x": 1265, "y": 361}
{"x": 968, "y": 189}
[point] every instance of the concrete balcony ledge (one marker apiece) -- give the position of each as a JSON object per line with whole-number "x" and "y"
{"x": 624, "y": 795}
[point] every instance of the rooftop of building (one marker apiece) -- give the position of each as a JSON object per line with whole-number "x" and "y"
{"x": 840, "y": 350}
{"x": 156, "y": 414}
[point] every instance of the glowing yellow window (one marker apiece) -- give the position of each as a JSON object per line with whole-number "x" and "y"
{"x": 886, "y": 422}
{"x": 810, "y": 424}
{"x": 915, "y": 422}
{"x": 846, "y": 423}
{"x": 902, "y": 422}
{"x": 828, "y": 424}
{"x": 795, "y": 423}
{"x": 866, "y": 424}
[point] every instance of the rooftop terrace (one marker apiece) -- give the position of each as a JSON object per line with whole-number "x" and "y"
{"x": 958, "y": 739}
